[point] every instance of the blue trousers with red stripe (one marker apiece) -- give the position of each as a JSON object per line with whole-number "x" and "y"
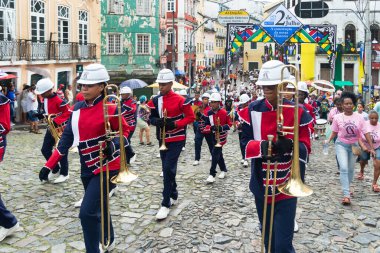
{"x": 216, "y": 154}
{"x": 169, "y": 160}
{"x": 90, "y": 214}
{"x": 283, "y": 224}
{"x": 198, "y": 144}
{"x": 129, "y": 150}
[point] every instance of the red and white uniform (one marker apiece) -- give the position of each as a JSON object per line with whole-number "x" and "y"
{"x": 58, "y": 106}
{"x": 129, "y": 107}
{"x": 224, "y": 122}
{"x": 177, "y": 108}
{"x": 197, "y": 102}
{"x": 85, "y": 129}
{"x": 201, "y": 122}
{"x": 309, "y": 109}
{"x": 5, "y": 122}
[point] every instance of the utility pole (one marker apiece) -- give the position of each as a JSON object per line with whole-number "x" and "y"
{"x": 368, "y": 50}
{"x": 173, "y": 46}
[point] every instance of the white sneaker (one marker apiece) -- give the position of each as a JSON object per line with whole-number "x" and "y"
{"x": 222, "y": 175}
{"x": 161, "y": 174}
{"x": 52, "y": 176}
{"x": 61, "y": 179}
{"x": 162, "y": 213}
{"x": 4, "y": 232}
{"x": 173, "y": 202}
{"x": 245, "y": 164}
{"x": 133, "y": 159}
{"x": 210, "y": 158}
{"x": 242, "y": 161}
{"x": 195, "y": 163}
{"x": 158, "y": 155}
{"x": 210, "y": 179}
{"x": 113, "y": 191}
{"x": 78, "y": 203}
{"x": 296, "y": 228}
{"x": 183, "y": 148}
{"x": 108, "y": 249}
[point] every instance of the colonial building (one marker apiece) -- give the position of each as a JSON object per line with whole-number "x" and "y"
{"x": 61, "y": 36}
{"x": 130, "y": 39}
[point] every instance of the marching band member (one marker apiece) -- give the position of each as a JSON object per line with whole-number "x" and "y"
{"x": 129, "y": 108}
{"x": 243, "y": 124}
{"x": 8, "y": 222}
{"x": 196, "y": 102}
{"x": 199, "y": 135}
{"x": 178, "y": 115}
{"x": 262, "y": 115}
{"x": 212, "y": 127}
{"x": 54, "y": 104}
{"x": 85, "y": 129}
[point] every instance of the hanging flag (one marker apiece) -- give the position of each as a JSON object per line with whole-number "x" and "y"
{"x": 308, "y": 61}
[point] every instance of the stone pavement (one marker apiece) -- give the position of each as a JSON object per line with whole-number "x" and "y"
{"x": 208, "y": 218}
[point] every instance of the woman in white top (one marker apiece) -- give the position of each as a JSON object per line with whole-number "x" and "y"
{"x": 31, "y": 107}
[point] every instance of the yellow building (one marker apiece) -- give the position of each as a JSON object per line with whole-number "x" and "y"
{"x": 220, "y": 44}
{"x": 61, "y": 36}
{"x": 200, "y": 61}
{"x": 252, "y": 56}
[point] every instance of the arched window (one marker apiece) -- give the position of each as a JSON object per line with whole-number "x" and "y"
{"x": 350, "y": 35}
{"x": 375, "y": 32}
{"x": 169, "y": 35}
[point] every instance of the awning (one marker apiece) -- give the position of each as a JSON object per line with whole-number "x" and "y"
{"x": 8, "y": 76}
{"x": 343, "y": 83}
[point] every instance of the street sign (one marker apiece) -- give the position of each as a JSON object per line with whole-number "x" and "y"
{"x": 281, "y": 24}
{"x": 233, "y": 16}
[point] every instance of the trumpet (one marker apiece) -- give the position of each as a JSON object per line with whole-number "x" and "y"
{"x": 294, "y": 186}
{"x": 55, "y": 130}
{"x": 163, "y": 132}
{"x": 124, "y": 176}
{"x": 217, "y": 133}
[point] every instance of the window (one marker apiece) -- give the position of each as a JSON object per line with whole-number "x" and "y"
{"x": 169, "y": 35}
{"x": 7, "y": 20}
{"x": 253, "y": 45}
{"x": 115, "y": 6}
{"x": 143, "y": 43}
{"x": 375, "y": 32}
{"x": 253, "y": 65}
{"x": 143, "y": 7}
{"x": 350, "y": 38}
{"x": 37, "y": 20}
{"x": 63, "y": 24}
{"x": 83, "y": 27}
{"x": 114, "y": 43}
{"x": 171, "y": 5}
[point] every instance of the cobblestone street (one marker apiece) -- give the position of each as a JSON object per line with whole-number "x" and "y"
{"x": 208, "y": 218}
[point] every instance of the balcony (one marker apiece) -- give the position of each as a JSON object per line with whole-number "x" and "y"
{"x": 27, "y": 50}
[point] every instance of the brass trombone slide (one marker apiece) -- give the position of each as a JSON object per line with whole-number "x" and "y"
{"x": 124, "y": 176}
{"x": 163, "y": 132}
{"x": 217, "y": 133}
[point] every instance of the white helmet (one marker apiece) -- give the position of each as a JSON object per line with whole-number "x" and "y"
{"x": 215, "y": 97}
{"x": 302, "y": 86}
{"x": 165, "y": 76}
{"x": 125, "y": 90}
{"x": 270, "y": 73}
{"x": 290, "y": 86}
{"x": 93, "y": 74}
{"x": 206, "y": 95}
{"x": 244, "y": 99}
{"x": 44, "y": 85}
{"x": 183, "y": 93}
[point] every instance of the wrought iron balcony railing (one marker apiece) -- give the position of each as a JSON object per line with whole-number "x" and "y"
{"x": 18, "y": 50}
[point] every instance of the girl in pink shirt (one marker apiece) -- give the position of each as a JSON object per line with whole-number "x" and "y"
{"x": 374, "y": 129}
{"x": 348, "y": 126}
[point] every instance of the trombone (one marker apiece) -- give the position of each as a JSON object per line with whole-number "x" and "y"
{"x": 294, "y": 186}
{"x": 124, "y": 176}
{"x": 163, "y": 132}
{"x": 55, "y": 130}
{"x": 217, "y": 134}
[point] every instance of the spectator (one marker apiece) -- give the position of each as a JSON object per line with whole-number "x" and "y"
{"x": 32, "y": 106}
{"x": 11, "y": 95}
{"x": 24, "y": 99}
{"x": 142, "y": 121}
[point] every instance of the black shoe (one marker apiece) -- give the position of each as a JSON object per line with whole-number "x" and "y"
{"x": 142, "y": 143}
